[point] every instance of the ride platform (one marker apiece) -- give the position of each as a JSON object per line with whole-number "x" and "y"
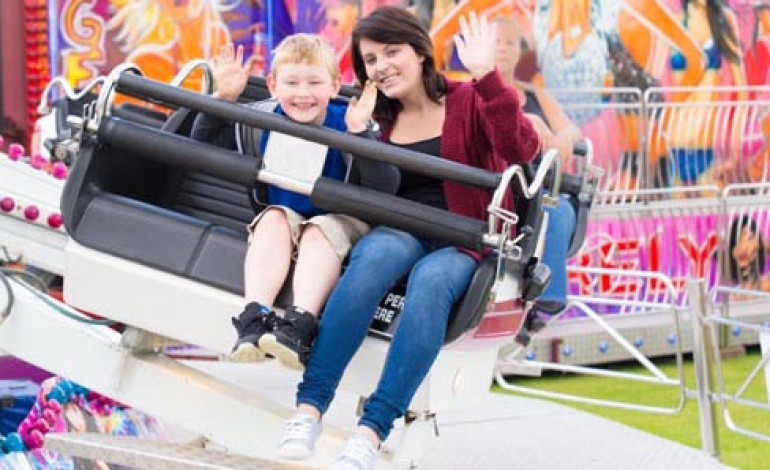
{"x": 504, "y": 432}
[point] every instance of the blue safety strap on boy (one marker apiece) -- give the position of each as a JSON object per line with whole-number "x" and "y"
{"x": 335, "y": 166}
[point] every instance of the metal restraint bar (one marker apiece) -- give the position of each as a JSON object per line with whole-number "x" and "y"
{"x": 409, "y": 216}
{"x": 329, "y": 194}
{"x": 155, "y": 91}
{"x": 178, "y": 151}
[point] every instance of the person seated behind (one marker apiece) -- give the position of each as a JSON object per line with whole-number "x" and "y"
{"x": 304, "y": 78}
{"x": 555, "y": 131}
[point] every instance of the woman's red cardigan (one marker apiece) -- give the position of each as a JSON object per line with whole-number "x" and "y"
{"x": 484, "y": 127}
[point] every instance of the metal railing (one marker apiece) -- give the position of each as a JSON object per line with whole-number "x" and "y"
{"x": 729, "y": 307}
{"x": 655, "y": 375}
{"x": 668, "y": 137}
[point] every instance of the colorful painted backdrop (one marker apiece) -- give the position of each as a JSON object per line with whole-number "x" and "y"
{"x": 568, "y": 44}
{"x": 576, "y": 42}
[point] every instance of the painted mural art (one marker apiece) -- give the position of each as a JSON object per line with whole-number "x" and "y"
{"x": 159, "y": 36}
{"x": 640, "y": 77}
{"x": 578, "y": 44}
{"x": 678, "y": 246}
{"x": 746, "y": 260}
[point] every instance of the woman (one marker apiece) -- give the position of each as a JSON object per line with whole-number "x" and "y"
{"x": 479, "y": 124}
{"x": 557, "y": 132}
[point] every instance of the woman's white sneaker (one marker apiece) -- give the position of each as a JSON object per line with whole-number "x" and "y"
{"x": 360, "y": 453}
{"x": 299, "y": 436}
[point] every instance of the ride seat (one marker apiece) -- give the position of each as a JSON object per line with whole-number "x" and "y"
{"x": 572, "y": 185}
{"x": 192, "y": 225}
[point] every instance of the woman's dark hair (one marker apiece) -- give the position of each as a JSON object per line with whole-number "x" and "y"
{"x": 394, "y": 25}
{"x": 757, "y": 265}
{"x": 721, "y": 30}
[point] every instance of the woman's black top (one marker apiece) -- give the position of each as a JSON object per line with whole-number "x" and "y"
{"x": 421, "y": 188}
{"x": 532, "y": 106}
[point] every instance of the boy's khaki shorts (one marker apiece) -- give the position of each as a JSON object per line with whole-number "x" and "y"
{"x": 342, "y": 231}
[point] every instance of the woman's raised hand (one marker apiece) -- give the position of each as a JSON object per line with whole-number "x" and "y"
{"x": 230, "y": 72}
{"x": 476, "y": 45}
{"x": 360, "y": 110}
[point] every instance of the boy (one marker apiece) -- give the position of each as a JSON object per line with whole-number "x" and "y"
{"x": 304, "y": 77}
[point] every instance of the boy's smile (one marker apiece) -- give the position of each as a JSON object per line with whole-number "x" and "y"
{"x": 303, "y": 91}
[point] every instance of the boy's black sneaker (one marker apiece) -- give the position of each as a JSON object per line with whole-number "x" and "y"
{"x": 291, "y": 338}
{"x": 251, "y": 325}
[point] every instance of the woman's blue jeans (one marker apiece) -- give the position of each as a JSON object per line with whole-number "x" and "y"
{"x": 558, "y": 235}
{"x": 438, "y": 277}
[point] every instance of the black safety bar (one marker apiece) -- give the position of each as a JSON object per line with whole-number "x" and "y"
{"x": 416, "y": 162}
{"x": 178, "y": 151}
{"x": 331, "y": 195}
{"x": 417, "y": 219}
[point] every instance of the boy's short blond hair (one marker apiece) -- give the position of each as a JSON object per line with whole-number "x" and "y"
{"x": 302, "y": 48}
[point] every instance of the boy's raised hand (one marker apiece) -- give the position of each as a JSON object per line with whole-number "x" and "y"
{"x": 360, "y": 109}
{"x": 230, "y": 72}
{"x": 476, "y": 45}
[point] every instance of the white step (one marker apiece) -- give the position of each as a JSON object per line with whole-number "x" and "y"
{"x": 150, "y": 455}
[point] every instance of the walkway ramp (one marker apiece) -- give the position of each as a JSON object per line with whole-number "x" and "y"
{"x": 506, "y": 432}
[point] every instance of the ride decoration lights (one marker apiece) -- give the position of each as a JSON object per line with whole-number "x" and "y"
{"x": 15, "y": 152}
{"x": 16, "y": 205}
{"x": 36, "y": 55}
{"x": 7, "y": 204}
{"x": 48, "y": 411}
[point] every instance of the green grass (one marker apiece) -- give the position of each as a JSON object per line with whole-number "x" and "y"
{"x": 735, "y": 449}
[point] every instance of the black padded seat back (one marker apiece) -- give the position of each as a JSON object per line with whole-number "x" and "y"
{"x": 140, "y": 114}
{"x": 229, "y": 207}
{"x": 469, "y": 311}
{"x": 582, "y": 207}
{"x": 113, "y": 202}
{"x": 203, "y": 196}
{"x": 141, "y": 232}
{"x": 573, "y": 187}
{"x": 256, "y": 90}
{"x": 120, "y": 203}
{"x": 213, "y": 199}
{"x": 184, "y": 223}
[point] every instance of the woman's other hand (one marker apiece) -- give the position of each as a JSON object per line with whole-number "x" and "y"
{"x": 547, "y": 139}
{"x": 360, "y": 110}
{"x": 230, "y": 72}
{"x": 566, "y": 139}
{"x": 476, "y": 45}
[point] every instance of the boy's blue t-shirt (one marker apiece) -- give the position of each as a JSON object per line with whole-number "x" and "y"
{"x": 334, "y": 167}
